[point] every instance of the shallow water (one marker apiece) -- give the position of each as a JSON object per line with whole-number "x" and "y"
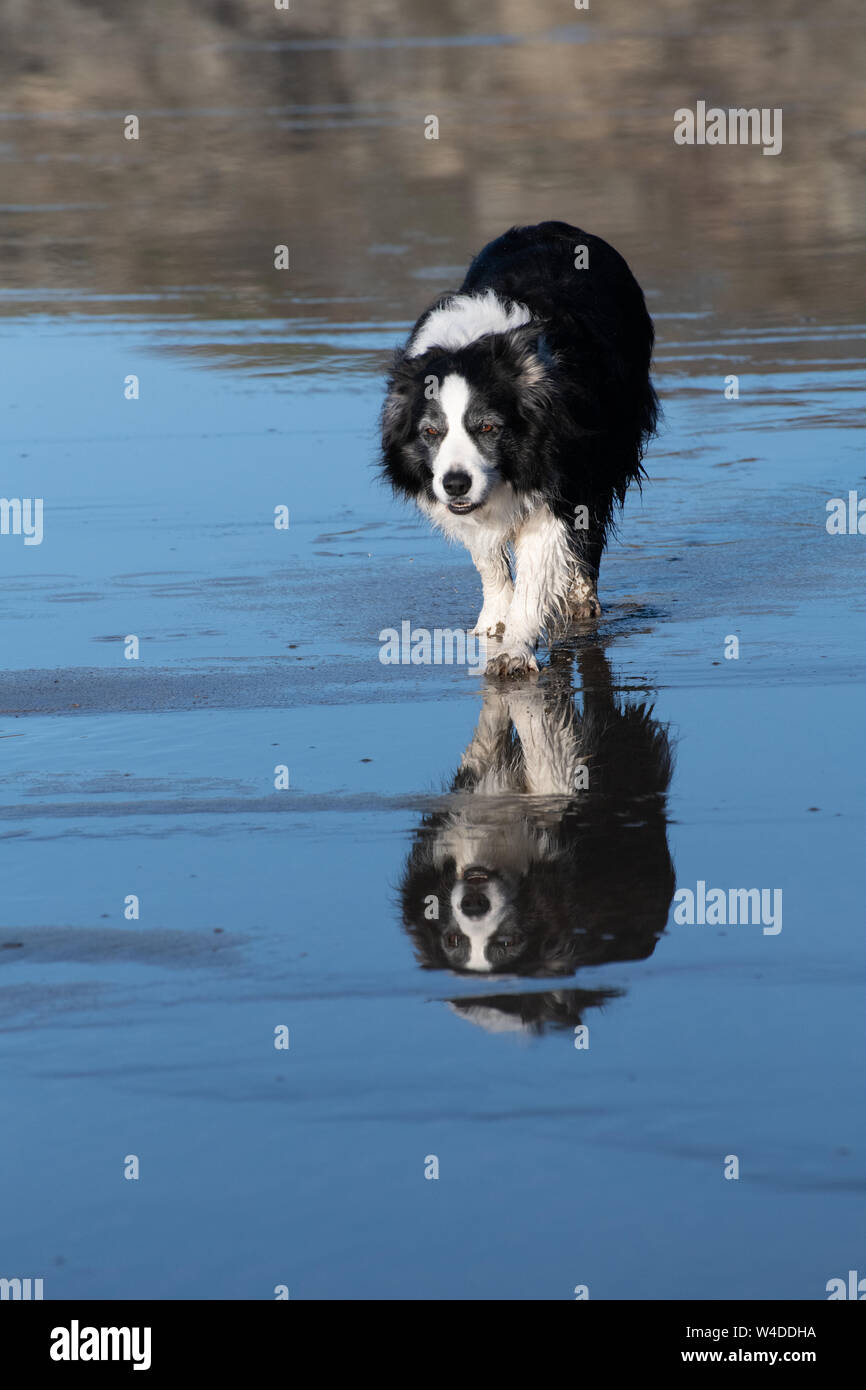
{"x": 259, "y": 648}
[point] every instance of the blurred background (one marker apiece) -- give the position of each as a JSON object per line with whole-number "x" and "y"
{"x": 306, "y": 127}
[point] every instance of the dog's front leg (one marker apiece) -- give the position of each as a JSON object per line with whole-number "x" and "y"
{"x": 545, "y": 564}
{"x": 548, "y": 736}
{"x": 486, "y": 752}
{"x": 491, "y": 562}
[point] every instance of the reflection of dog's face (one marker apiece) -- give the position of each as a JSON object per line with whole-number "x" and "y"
{"x": 523, "y": 873}
{"x": 484, "y": 933}
{"x": 483, "y": 858}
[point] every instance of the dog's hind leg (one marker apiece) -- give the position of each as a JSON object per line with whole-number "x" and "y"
{"x": 583, "y": 596}
{"x": 583, "y": 589}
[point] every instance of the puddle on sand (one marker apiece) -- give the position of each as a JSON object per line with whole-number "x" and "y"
{"x": 311, "y": 907}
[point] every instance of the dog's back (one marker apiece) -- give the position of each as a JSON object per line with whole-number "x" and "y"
{"x": 561, "y": 272}
{"x": 595, "y": 321}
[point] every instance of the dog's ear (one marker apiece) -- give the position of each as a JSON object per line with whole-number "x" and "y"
{"x": 424, "y": 885}
{"x": 397, "y": 410}
{"x": 535, "y": 364}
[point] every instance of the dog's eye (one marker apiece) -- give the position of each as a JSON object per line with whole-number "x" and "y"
{"x": 431, "y": 431}
{"x": 452, "y": 940}
{"x": 488, "y": 427}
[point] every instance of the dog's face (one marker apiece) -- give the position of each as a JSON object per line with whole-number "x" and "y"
{"x": 482, "y": 931}
{"x": 506, "y": 913}
{"x": 456, "y": 423}
{"x": 567, "y": 894}
{"x": 459, "y": 434}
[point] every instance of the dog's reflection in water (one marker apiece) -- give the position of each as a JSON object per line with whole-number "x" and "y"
{"x": 550, "y": 852}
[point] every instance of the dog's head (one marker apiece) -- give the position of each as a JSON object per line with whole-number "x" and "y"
{"x": 583, "y": 895}
{"x": 461, "y": 411}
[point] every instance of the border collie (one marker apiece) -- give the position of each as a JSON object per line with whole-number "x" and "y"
{"x": 517, "y": 415}
{"x": 550, "y": 851}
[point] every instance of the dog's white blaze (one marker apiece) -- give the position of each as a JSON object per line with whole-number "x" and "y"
{"x": 466, "y": 318}
{"x": 457, "y": 450}
{"x": 479, "y": 935}
{"x": 454, "y": 395}
{"x": 480, "y": 931}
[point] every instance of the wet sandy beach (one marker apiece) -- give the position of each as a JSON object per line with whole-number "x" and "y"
{"x": 259, "y": 649}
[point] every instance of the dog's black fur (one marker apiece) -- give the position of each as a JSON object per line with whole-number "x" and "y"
{"x": 600, "y": 886}
{"x": 573, "y": 384}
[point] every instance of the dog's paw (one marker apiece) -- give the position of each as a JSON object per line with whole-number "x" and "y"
{"x": 491, "y": 620}
{"x": 512, "y": 663}
{"x": 588, "y": 607}
{"x": 582, "y": 598}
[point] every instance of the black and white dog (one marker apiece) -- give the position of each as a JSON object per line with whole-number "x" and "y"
{"x": 550, "y": 851}
{"x": 517, "y": 415}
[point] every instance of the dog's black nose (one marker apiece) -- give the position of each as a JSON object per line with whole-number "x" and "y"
{"x": 475, "y": 904}
{"x": 456, "y": 484}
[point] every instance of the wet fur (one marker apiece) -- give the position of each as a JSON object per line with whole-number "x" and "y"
{"x": 586, "y": 874}
{"x": 573, "y": 391}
